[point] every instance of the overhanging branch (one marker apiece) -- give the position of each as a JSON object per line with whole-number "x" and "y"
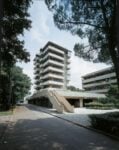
{"x": 80, "y": 23}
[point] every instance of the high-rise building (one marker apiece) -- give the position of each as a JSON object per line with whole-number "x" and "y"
{"x": 52, "y": 67}
{"x": 99, "y": 81}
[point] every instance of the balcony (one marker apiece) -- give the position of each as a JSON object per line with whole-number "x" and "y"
{"x": 37, "y": 76}
{"x": 51, "y": 75}
{"x": 53, "y": 49}
{"x": 98, "y": 91}
{"x": 100, "y": 83}
{"x": 99, "y": 78}
{"x": 53, "y": 69}
{"x": 36, "y": 67}
{"x": 49, "y": 54}
{"x": 52, "y": 62}
{"x": 50, "y": 82}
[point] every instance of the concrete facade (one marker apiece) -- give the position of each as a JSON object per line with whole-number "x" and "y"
{"x": 52, "y": 67}
{"x": 99, "y": 81}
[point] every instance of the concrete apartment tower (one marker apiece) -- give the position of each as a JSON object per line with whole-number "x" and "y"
{"x": 52, "y": 67}
{"x": 99, "y": 81}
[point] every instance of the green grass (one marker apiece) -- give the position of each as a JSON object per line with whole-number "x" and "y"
{"x": 6, "y": 113}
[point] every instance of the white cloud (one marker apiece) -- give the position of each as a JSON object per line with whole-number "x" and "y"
{"x": 79, "y": 67}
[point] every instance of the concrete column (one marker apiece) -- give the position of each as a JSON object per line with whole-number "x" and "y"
{"x": 81, "y": 102}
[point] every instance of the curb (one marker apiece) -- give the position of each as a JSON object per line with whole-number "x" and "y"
{"x": 83, "y": 126}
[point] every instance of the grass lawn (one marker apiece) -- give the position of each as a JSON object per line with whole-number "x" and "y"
{"x": 6, "y": 113}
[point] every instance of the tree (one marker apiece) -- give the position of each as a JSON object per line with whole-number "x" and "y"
{"x": 14, "y": 20}
{"x": 113, "y": 95}
{"x": 21, "y": 84}
{"x": 73, "y": 88}
{"x": 92, "y": 19}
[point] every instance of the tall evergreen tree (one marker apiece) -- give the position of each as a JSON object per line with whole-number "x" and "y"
{"x": 94, "y": 19}
{"x": 14, "y": 20}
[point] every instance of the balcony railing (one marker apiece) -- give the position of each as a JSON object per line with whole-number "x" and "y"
{"x": 100, "y": 83}
{"x": 51, "y": 75}
{"x": 52, "y": 82}
{"x": 99, "y": 78}
{"x": 53, "y": 49}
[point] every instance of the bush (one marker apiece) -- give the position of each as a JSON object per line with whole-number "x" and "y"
{"x": 99, "y": 105}
{"x": 94, "y": 105}
{"x": 108, "y": 122}
{"x": 117, "y": 105}
{"x": 109, "y": 105}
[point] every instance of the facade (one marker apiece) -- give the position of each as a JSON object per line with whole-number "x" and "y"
{"x": 52, "y": 67}
{"x": 99, "y": 81}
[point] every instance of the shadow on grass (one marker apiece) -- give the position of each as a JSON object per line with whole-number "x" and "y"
{"x": 6, "y": 113}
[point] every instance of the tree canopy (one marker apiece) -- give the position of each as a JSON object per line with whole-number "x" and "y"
{"x": 14, "y": 21}
{"x": 91, "y": 19}
{"x": 73, "y": 88}
{"x": 21, "y": 84}
{"x": 20, "y": 87}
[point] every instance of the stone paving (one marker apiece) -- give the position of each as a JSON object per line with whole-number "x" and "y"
{"x": 4, "y": 121}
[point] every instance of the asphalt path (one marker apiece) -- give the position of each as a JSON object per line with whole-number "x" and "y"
{"x": 32, "y": 129}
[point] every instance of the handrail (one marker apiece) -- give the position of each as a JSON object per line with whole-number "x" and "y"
{"x": 55, "y": 97}
{"x": 63, "y": 101}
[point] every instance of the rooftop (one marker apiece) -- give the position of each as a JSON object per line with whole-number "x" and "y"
{"x": 74, "y": 94}
{"x": 97, "y": 72}
{"x": 55, "y": 45}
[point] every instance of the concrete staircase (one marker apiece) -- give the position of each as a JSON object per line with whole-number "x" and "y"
{"x": 66, "y": 105}
{"x": 58, "y": 101}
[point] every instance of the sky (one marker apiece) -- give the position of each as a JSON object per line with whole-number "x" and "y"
{"x": 44, "y": 30}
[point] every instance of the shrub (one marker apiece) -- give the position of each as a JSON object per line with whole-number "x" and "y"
{"x": 109, "y": 105}
{"x": 108, "y": 122}
{"x": 94, "y": 105}
{"x": 117, "y": 105}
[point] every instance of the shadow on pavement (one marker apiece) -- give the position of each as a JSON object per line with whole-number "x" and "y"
{"x": 46, "y": 132}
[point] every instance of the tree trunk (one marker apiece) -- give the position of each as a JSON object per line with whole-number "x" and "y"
{"x": 1, "y": 17}
{"x": 117, "y": 37}
{"x": 114, "y": 58}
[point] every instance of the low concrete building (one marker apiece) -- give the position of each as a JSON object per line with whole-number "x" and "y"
{"x": 99, "y": 81}
{"x": 63, "y": 100}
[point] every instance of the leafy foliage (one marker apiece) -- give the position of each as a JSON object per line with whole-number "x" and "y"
{"x": 73, "y": 88}
{"x": 113, "y": 95}
{"x": 108, "y": 122}
{"x": 94, "y": 20}
{"x": 21, "y": 84}
{"x": 15, "y": 20}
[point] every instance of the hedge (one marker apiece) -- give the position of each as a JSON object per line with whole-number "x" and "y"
{"x": 99, "y": 105}
{"x": 108, "y": 122}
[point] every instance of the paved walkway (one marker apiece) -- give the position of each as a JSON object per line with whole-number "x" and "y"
{"x": 31, "y": 129}
{"x": 81, "y": 115}
{"x": 4, "y": 121}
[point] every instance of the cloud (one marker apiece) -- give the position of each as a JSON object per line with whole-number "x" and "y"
{"x": 79, "y": 67}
